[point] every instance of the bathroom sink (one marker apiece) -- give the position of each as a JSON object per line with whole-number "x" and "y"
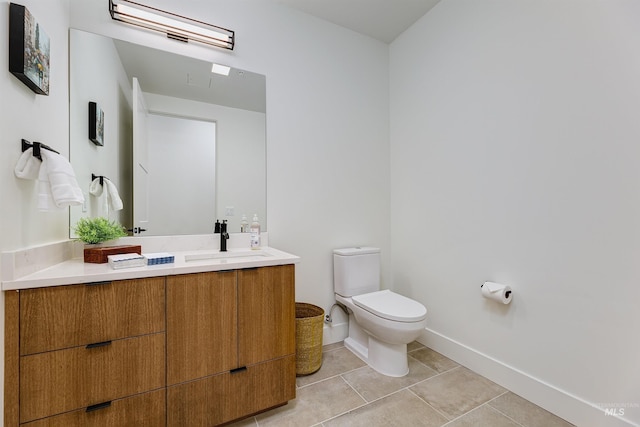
{"x": 226, "y": 255}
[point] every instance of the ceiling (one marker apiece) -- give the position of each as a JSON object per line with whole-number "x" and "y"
{"x": 383, "y": 20}
{"x": 169, "y": 74}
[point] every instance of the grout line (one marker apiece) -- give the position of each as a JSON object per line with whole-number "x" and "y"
{"x": 490, "y": 408}
{"x": 328, "y": 378}
{"x": 432, "y": 407}
{"x": 353, "y": 388}
{"x": 462, "y": 415}
{"x": 367, "y": 403}
{"x": 499, "y": 411}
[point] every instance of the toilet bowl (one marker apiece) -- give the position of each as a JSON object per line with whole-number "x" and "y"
{"x": 381, "y": 322}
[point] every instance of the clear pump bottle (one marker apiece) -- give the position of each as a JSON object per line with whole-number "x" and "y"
{"x": 255, "y": 233}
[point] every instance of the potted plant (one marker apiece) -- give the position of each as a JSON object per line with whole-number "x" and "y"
{"x": 94, "y": 231}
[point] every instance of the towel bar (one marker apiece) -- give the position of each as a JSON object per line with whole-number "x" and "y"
{"x": 102, "y": 178}
{"x": 36, "y": 148}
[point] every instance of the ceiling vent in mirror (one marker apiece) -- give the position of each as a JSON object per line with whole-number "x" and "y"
{"x": 176, "y": 27}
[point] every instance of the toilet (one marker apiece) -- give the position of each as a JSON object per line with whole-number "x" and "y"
{"x": 381, "y": 322}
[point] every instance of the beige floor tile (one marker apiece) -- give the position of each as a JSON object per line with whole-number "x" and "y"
{"x": 483, "y": 416}
{"x": 433, "y": 359}
{"x": 399, "y": 409}
{"x": 457, "y": 391}
{"x": 334, "y": 362}
{"x": 415, "y": 345}
{"x": 373, "y": 385}
{"x": 525, "y": 412}
{"x": 313, "y": 404}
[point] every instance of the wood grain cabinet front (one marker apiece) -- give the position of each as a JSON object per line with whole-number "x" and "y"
{"x": 147, "y": 409}
{"x": 186, "y": 350}
{"x": 225, "y": 397}
{"x": 66, "y": 316}
{"x": 201, "y": 325}
{"x": 233, "y": 354}
{"x": 83, "y": 346}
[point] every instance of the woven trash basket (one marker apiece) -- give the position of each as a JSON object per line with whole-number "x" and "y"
{"x": 309, "y": 322}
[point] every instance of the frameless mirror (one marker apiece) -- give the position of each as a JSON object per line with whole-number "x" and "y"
{"x": 187, "y": 148}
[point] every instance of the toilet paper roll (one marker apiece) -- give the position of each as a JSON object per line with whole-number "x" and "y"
{"x": 497, "y": 292}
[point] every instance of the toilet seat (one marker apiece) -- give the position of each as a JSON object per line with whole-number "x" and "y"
{"x": 391, "y": 306}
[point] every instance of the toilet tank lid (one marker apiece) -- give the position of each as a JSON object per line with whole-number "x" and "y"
{"x": 358, "y": 250}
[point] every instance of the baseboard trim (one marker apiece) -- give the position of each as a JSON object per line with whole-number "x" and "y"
{"x": 334, "y": 333}
{"x": 557, "y": 401}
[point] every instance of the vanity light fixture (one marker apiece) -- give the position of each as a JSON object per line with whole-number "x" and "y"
{"x": 220, "y": 69}
{"x": 174, "y": 26}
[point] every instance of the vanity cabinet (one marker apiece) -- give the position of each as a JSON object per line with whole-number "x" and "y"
{"x": 184, "y": 350}
{"x": 230, "y": 344}
{"x": 84, "y": 350}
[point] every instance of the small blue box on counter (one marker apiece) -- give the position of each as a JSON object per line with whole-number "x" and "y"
{"x": 159, "y": 258}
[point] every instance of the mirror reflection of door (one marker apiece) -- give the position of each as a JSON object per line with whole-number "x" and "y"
{"x": 140, "y": 161}
{"x": 180, "y": 198}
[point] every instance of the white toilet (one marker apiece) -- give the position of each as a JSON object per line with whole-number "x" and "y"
{"x": 381, "y": 323}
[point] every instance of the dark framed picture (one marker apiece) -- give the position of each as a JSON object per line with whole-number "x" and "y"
{"x": 29, "y": 50}
{"x": 96, "y": 124}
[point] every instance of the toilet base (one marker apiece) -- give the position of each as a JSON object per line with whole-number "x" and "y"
{"x": 388, "y": 359}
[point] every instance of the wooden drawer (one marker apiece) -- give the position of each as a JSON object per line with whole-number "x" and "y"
{"x": 67, "y": 316}
{"x": 146, "y": 409}
{"x": 65, "y": 380}
{"x": 199, "y": 403}
{"x": 222, "y": 398}
{"x": 263, "y": 386}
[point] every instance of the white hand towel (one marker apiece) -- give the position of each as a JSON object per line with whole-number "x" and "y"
{"x": 65, "y": 190}
{"x": 28, "y": 166}
{"x": 114, "y": 196}
{"x": 96, "y": 189}
{"x": 45, "y": 198}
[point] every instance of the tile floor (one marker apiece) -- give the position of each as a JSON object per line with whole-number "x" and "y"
{"x": 436, "y": 392}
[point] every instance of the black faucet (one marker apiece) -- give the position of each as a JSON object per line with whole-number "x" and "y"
{"x": 224, "y": 236}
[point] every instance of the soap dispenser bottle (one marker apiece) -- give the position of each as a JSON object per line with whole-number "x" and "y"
{"x": 244, "y": 224}
{"x": 255, "y": 233}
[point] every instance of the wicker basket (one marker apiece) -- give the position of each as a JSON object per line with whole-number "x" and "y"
{"x": 309, "y": 323}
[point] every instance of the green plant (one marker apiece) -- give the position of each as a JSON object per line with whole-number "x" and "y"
{"x": 98, "y": 230}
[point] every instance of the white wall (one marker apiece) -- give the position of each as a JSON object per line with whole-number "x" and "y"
{"x": 327, "y": 124}
{"x": 97, "y": 75}
{"x": 23, "y": 114}
{"x": 515, "y": 158}
{"x": 240, "y": 163}
{"x": 182, "y": 173}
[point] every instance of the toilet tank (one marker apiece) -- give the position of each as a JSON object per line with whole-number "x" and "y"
{"x": 356, "y": 271}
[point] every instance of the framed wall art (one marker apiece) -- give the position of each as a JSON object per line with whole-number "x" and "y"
{"x": 96, "y": 124}
{"x": 29, "y": 50}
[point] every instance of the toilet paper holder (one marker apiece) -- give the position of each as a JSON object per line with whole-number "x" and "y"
{"x": 497, "y": 292}
{"x": 505, "y": 294}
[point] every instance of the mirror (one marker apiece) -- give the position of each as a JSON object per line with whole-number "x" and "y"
{"x": 205, "y": 155}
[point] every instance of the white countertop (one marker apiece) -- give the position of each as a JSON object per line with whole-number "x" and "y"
{"x": 75, "y": 271}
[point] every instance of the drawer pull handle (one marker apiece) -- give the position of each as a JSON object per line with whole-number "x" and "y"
{"x": 98, "y": 283}
{"x": 238, "y": 370}
{"x": 98, "y": 344}
{"x": 98, "y": 406}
